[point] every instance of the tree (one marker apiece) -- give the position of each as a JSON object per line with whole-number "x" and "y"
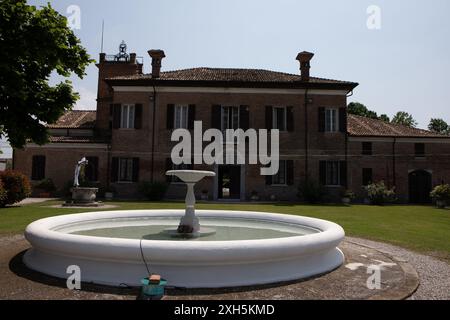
{"x": 385, "y": 118}
{"x": 439, "y": 126}
{"x": 359, "y": 109}
{"x": 34, "y": 43}
{"x": 404, "y": 118}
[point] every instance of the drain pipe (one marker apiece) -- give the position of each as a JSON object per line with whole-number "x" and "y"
{"x": 394, "y": 162}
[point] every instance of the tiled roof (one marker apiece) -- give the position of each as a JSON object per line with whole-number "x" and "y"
{"x": 76, "y": 119}
{"x": 229, "y": 74}
{"x": 366, "y": 127}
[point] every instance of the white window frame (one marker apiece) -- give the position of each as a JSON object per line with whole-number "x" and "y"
{"x": 127, "y": 115}
{"x": 338, "y": 172}
{"x": 331, "y": 120}
{"x": 129, "y": 169}
{"x": 181, "y": 117}
{"x": 275, "y": 184}
{"x": 275, "y": 118}
{"x": 222, "y": 114}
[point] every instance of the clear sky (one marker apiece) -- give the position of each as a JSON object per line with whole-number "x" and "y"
{"x": 404, "y": 65}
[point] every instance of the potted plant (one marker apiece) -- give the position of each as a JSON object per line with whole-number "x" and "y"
{"x": 348, "y": 196}
{"x": 254, "y": 196}
{"x": 441, "y": 194}
{"x": 204, "y": 195}
{"x": 45, "y": 188}
{"x": 109, "y": 193}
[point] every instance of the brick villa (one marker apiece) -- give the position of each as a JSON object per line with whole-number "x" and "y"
{"x": 127, "y": 140}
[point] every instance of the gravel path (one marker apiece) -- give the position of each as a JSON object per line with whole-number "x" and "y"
{"x": 434, "y": 274}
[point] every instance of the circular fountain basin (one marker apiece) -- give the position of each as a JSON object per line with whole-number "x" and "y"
{"x": 247, "y": 248}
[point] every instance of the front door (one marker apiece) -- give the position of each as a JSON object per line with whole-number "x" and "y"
{"x": 419, "y": 187}
{"x": 230, "y": 182}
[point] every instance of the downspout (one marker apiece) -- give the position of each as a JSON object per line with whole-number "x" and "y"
{"x": 346, "y": 145}
{"x": 153, "y": 135}
{"x": 306, "y": 137}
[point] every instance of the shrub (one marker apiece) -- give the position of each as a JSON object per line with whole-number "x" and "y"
{"x": 2, "y": 192}
{"x": 441, "y": 193}
{"x": 153, "y": 191}
{"x": 379, "y": 194}
{"x": 348, "y": 194}
{"x": 311, "y": 191}
{"x": 47, "y": 185}
{"x": 17, "y": 187}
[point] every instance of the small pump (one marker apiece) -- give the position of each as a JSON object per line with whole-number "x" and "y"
{"x": 153, "y": 288}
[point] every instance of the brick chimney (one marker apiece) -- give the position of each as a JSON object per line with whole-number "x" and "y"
{"x": 157, "y": 56}
{"x": 305, "y": 64}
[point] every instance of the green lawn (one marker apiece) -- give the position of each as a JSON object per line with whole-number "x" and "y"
{"x": 421, "y": 228}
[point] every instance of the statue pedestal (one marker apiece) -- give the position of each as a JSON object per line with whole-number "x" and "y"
{"x": 83, "y": 197}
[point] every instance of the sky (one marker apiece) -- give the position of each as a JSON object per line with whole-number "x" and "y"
{"x": 401, "y": 62}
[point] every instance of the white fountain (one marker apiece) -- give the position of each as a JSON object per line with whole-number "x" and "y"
{"x": 190, "y": 224}
{"x": 241, "y": 248}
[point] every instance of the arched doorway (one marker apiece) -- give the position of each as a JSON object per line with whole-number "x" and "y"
{"x": 419, "y": 187}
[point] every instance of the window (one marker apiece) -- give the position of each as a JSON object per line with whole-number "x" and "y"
{"x": 38, "y": 168}
{"x": 230, "y": 118}
{"x": 125, "y": 169}
{"x": 279, "y": 118}
{"x": 331, "y": 120}
{"x": 419, "y": 150}
{"x": 127, "y": 116}
{"x": 332, "y": 173}
{"x": 91, "y": 172}
{"x": 281, "y": 177}
{"x": 367, "y": 148}
{"x": 181, "y": 117}
{"x": 367, "y": 176}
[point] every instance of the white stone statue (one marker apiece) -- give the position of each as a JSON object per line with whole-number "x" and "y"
{"x": 80, "y": 163}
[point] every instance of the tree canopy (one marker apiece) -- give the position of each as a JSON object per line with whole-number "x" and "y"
{"x": 404, "y": 118}
{"x": 439, "y": 126}
{"x": 34, "y": 43}
{"x": 360, "y": 109}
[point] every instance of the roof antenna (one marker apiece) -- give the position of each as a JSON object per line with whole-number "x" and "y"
{"x": 103, "y": 32}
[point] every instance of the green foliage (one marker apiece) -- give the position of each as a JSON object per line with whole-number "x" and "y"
{"x": 47, "y": 185}
{"x": 2, "y": 192}
{"x": 379, "y": 194}
{"x": 17, "y": 187}
{"x": 439, "y": 126}
{"x": 441, "y": 192}
{"x": 35, "y": 43}
{"x": 348, "y": 194}
{"x": 404, "y": 118}
{"x": 385, "y": 118}
{"x": 153, "y": 191}
{"x": 311, "y": 192}
{"x": 359, "y": 109}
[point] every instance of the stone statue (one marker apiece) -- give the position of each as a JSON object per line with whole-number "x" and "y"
{"x": 82, "y": 162}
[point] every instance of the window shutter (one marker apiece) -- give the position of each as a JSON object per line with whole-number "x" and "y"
{"x": 321, "y": 119}
{"x": 290, "y": 172}
{"x": 170, "y": 116}
{"x": 169, "y": 166}
{"x": 290, "y": 118}
{"x": 323, "y": 172}
{"x": 115, "y": 170}
{"x": 216, "y": 117}
{"x": 191, "y": 117}
{"x": 244, "y": 118}
{"x": 117, "y": 108}
{"x": 92, "y": 169}
{"x": 269, "y": 117}
{"x": 138, "y": 116}
{"x": 343, "y": 120}
{"x": 343, "y": 173}
{"x": 135, "y": 169}
{"x": 38, "y": 168}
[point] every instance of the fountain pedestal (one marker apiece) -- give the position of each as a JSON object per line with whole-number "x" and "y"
{"x": 190, "y": 224}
